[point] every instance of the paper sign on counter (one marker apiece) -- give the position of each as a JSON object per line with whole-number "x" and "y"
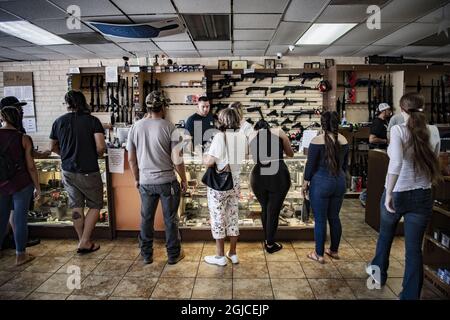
{"x": 116, "y": 159}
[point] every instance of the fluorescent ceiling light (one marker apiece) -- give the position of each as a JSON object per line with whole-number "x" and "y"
{"x": 325, "y": 33}
{"x": 29, "y": 32}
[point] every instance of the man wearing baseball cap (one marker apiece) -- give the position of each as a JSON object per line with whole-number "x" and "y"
{"x": 378, "y": 129}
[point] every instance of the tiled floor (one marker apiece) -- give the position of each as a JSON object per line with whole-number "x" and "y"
{"x": 116, "y": 271}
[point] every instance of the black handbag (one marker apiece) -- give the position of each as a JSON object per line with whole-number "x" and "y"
{"x": 220, "y": 180}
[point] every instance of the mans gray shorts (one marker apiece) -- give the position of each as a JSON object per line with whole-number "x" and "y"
{"x": 84, "y": 189}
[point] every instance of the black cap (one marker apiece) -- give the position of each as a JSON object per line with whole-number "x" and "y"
{"x": 11, "y": 102}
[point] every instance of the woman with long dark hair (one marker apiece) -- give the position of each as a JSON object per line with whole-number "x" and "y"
{"x": 413, "y": 168}
{"x": 19, "y": 179}
{"x": 270, "y": 179}
{"x": 324, "y": 178}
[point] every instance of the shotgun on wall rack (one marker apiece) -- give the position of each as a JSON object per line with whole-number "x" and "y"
{"x": 257, "y": 76}
{"x": 290, "y": 102}
{"x": 291, "y": 89}
{"x": 305, "y": 76}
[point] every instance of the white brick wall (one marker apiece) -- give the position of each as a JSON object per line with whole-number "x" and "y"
{"x": 50, "y": 81}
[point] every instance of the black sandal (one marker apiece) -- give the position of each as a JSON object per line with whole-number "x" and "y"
{"x": 273, "y": 248}
{"x": 88, "y": 250}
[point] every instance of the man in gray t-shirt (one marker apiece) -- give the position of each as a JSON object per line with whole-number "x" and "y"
{"x": 395, "y": 119}
{"x": 154, "y": 152}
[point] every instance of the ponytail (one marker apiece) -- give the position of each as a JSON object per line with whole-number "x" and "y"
{"x": 330, "y": 124}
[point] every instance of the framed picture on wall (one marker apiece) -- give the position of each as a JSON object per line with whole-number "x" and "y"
{"x": 239, "y": 64}
{"x": 223, "y": 65}
{"x": 269, "y": 63}
{"x": 279, "y": 66}
{"x": 329, "y": 63}
{"x": 316, "y": 65}
{"x": 307, "y": 65}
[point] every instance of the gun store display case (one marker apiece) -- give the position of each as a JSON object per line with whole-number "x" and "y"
{"x": 294, "y": 222}
{"x": 50, "y": 216}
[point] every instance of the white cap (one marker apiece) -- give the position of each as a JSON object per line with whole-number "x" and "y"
{"x": 383, "y": 106}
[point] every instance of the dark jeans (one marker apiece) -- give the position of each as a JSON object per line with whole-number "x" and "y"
{"x": 169, "y": 193}
{"x": 21, "y": 201}
{"x": 415, "y": 206}
{"x": 326, "y": 193}
{"x": 270, "y": 190}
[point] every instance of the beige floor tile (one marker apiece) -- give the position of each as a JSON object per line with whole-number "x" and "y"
{"x": 25, "y": 281}
{"x": 59, "y": 283}
{"x": 359, "y": 288}
{"x": 348, "y": 254}
{"x": 212, "y": 289}
{"x": 123, "y": 253}
{"x": 126, "y": 298}
{"x": 192, "y": 253}
{"x": 47, "y": 264}
{"x": 173, "y": 288}
{"x": 14, "y": 295}
{"x": 351, "y": 269}
{"x": 302, "y": 255}
{"x": 395, "y": 284}
{"x": 83, "y": 297}
{"x": 292, "y": 289}
{"x": 139, "y": 269}
{"x": 248, "y": 270}
{"x": 85, "y": 265}
{"x": 136, "y": 287}
{"x": 304, "y": 244}
{"x": 284, "y": 254}
{"x": 206, "y": 270}
{"x": 112, "y": 267}
{"x": 253, "y": 289}
{"x": 315, "y": 270}
{"x": 193, "y": 244}
{"x": 334, "y": 289}
{"x": 98, "y": 286}
{"x": 183, "y": 269}
{"x": 285, "y": 270}
{"x": 396, "y": 269}
{"x": 5, "y": 276}
{"x": 47, "y": 296}
{"x": 366, "y": 253}
{"x": 102, "y": 253}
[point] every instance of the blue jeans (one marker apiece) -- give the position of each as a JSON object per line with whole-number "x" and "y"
{"x": 326, "y": 194}
{"x": 415, "y": 206}
{"x": 169, "y": 193}
{"x": 20, "y": 201}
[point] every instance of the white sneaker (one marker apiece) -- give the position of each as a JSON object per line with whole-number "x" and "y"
{"x": 234, "y": 258}
{"x": 220, "y": 261}
{"x": 369, "y": 271}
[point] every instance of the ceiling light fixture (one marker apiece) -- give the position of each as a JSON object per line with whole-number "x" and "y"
{"x": 324, "y": 33}
{"x": 31, "y": 33}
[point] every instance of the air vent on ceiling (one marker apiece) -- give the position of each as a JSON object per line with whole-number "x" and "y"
{"x": 85, "y": 38}
{"x": 208, "y": 27}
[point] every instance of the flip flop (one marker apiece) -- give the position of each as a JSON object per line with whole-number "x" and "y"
{"x": 313, "y": 256}
{"x": 27, "y": 260}
{"x": 331, "y": 254}
{"x": 88, "y": 250}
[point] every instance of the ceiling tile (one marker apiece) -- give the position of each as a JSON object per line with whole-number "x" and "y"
{"x": 145, "y": 6}
{"x": 340, "y": 50}
{"x": 405, "y": 11}
{"x": 16, "y": 55}
{"x": 85, "y": 38}
{"x": 67, "y": 49}
{"x": 36, "y": 9}
{"x": 183, "y": 54}
{"x": 213, "y": 45}
{"x": 215, "y": 53}
{"x": 361, "y": 35}
{"x": 371, "y": 50}
{"x": 139, "y": 46}
{"x": 79, "y": 55}
{"x": 89, "y": 7}
{"x": 33, "y": 50}
{"x": 8, "y": 41}
{"x": 408, "y": 34}
{"x": 120, "y": 18}
{"x": 304, "y": 10}
{"x": 59, "y": 26}
{"x": 440, "y": 53}
{"x": 111, "y": 55}
{"x": 249, "y": 34}
{"x": 311, "y": 50}
{"x": 149, "y": 18}
{"x": 176, "y": 46}
{"x": 348, "y": 13}
{"x": 412, "y": 50}
{"x": 256, "y": 21}
{"x": 52, "y": 56}
{"x": 176, "y": 37}
{"x": 250, "y": 45}
{"x": 102, "y": 48}
{"x": 203, "y": 6}
{"x": 273, "y": 50}
{"x": 259, "y": 6}
{"x": 437, "y": 15}
{"x": 435, "y": 40}
{"x": 249, "y": 53}
{"x": 7, "y": 17}
{"x": 289, "y": 32}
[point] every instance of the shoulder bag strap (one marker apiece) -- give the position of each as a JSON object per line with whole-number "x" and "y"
{"x": 227, "y": 167}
